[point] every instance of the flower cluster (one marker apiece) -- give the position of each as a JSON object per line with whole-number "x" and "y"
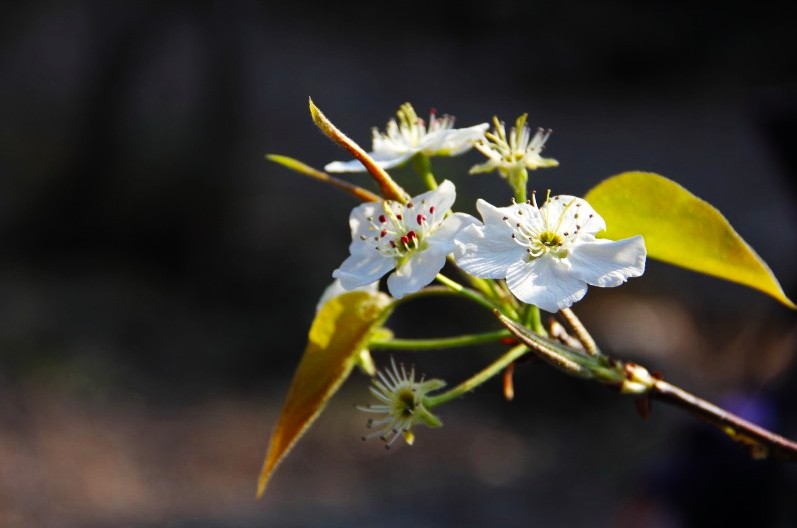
{"x": 548, "y": 255}
{"x": 411, "y": 135}
{"x": 514, "y": 261}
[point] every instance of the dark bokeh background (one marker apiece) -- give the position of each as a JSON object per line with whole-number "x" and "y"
{"x": 157, "y": 276}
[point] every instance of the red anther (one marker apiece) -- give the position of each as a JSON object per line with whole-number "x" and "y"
{"x": 382, "y": 233}
{"x": 420, "y": 219}
{"x": 431, "y": 209}
{"x": 433, "y": 111}
{"x": 405, "y": 240}
{"x": 399, "y": 217}
{"x": 409, "y": 205}
{"x": 412, "y": 234}
{"x": 508, "y": 341}
{"x": 382, "y": 218}
{"x": 392, "y": 244}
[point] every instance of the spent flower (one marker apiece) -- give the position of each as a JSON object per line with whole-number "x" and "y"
{"x": 548, "y": 255}
{"x": 411, "y": 135}
{"x": 402, "y": 404}
{"x": 412, "y": 238}
{"x": 513, "y": 156}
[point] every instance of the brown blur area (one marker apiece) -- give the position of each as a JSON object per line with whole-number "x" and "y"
{"x": 158, "y": 276}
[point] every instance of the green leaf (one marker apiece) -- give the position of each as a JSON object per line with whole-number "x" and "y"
{"x": 338, "y": 335}
{"x": 680, "y": 229}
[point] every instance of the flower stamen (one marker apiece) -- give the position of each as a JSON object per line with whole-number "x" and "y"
{"x": 402, "y": 402}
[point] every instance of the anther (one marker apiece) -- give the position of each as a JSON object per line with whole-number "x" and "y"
{"x": 431, "y": 210}
{"x": 420, "y": 219}
{"x": 382, "y": 219}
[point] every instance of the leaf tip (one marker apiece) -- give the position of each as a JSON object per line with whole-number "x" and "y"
{"x": 262, "y": 481}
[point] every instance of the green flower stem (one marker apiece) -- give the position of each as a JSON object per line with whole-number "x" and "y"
{"x": 423, "y": 167}
{"x": 532, "y": 319}
{"x": 479, "y": 378}
{"x": 473, "y": 295}
{"x": 440, "y": 342}
{"x": 518, "y": 179}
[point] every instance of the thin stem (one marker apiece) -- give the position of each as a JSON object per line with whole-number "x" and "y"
{"x": 518, "y": 180}
{"x": 471, "y": 383}
{"x": 762, "y": 441}
{"x": 423, "y": 167}
{"x": 466, "y": 292}
{"x": 581, "y": 332}
{"x": 532, "y": 319}
{"x": 440, "y": 342}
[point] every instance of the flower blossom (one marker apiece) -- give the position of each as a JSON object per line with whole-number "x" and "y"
{"x": 519, "y": 151}
{"x": 402, "y": 404}
{"x": 412, "y": 238}
{"x": 411, "y": 135}
{"x": 548, "y": 255}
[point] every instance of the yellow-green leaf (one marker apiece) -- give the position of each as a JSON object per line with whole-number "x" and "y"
{"x": 680, "y": 229}
{"x": 339, "y": 333}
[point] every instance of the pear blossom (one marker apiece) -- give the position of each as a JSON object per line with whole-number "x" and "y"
{"x": 413, "y": 238}
{"x": 548, "y": 255}
{"x": 411, "y": 135}
{"x": 402, "y": 404}
{"x": 519, "y": 151}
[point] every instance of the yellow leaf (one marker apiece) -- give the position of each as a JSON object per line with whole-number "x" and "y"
{"x": 680, "y": 229}
{"x": 339, "y": 333}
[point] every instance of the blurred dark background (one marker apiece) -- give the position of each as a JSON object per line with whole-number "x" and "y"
{"x": 158, "y": 276}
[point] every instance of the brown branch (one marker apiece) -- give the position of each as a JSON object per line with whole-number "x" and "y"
{"x": 631, "y": 378}
{"x": 763, "y": 443}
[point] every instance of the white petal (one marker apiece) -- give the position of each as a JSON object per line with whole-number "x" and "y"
{"x": 344, "y": 166}
{"x": 417, "y": 271}
{"x": 383, "y": 159}
{"x": 448, "y": 230}
{"x": 486, "y": 256}
{"x": 361, "y": 269}
{"x": 452, "y": 142}
{"x": 578, "y": 214}
{"x": 441, "y": 199}
{"x": 607, "y": 263}
{"x": 361, "y": 227}
{"x": 517, "y": 213}
{"x": 545, "y": 282}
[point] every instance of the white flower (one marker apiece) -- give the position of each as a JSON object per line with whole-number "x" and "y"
{"x": 547, "y": 255}
{"x": 508, "y": 155}
{"x": 414, "y": 238}
{"x": 411, "y": 135}
{"x": 402, "y": 404}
